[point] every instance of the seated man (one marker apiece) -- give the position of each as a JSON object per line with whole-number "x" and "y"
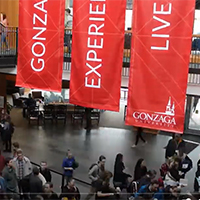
{"x": 49, "y": 194}
{"x": 148, "y": 191}
{"x": 70, "y": 191}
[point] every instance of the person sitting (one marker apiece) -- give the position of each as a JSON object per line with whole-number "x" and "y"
{"x": 49, "y": 194}
{"x": 173, "y": 176}
{"x": 140, "y": 169}
{"x": 120, "y": 178}
{"x": 30, "y": 102}
{"x": 146, "y": 180}
{"x": 104, "y": 191}
{"x": 70, "y": 191}
{"x": 148, "y": 191}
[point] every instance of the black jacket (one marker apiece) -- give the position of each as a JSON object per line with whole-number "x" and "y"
{"x": 47, "y": 174}
{"x": 171, "y": 148}
{"x": 186, "y": 165}
{"x": 35, "y": 186}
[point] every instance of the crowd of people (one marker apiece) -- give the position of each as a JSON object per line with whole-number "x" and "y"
{"x": 20, "y": 180}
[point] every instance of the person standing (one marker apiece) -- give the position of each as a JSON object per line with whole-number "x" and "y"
{"x": 197, "y": 178}
{"x": 45, "y": 171}
{"x": 4, "y": 23}
{"x": 23, "y": 170}
{"x": 140, "y": 169}
{"x": 95, "y": 172}
{"x": 67, "y": 165}
{"x": 35, "y": 184}
{"x": 10, "y": 178}
{"x": 7, "y": 135}
{"x": 88, "y": 113}
{"x": 139, "y": 136}
{"x": 119, "y": 176}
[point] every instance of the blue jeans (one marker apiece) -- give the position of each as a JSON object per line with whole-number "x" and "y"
{"x": 3, "y": 40}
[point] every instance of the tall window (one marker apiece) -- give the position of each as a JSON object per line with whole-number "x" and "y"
{"x": 71, "y": 3}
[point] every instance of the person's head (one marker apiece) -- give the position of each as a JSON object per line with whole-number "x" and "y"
{"x": 48, "y": 187}
{"x": 177, "y": 137}
{"x": 16, "y": 145}
{"x": 175, "y": 191}
{"x": 140, "y": 163}
{"x": 151, "y": 174}
{"x": 69, "y": 154}
{"x": 106, "y": 175}
{"x": 102, "y": 161}
{"x": 68, "y": 11}
{"x": 71, "y": 183}
{"x": 19, "y": 154}
{"x": 29, "y": 96}
{"x": 43, "y": 165}
{"x": 36, "y": 171}
{"x": 154, "y": 186}
{"x": 8, "y": 162}
{"x": 119, "y": 158}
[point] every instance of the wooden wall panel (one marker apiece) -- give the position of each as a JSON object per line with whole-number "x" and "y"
{"x": 11, "y": 9}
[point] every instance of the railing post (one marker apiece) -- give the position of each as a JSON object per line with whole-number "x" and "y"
{"x": 16, "y": 41}
{"x": 62, "y": 183}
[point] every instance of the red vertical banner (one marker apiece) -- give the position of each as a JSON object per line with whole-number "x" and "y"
{"x": 161, "y": 45}
{"x": 40, "y": 44}
{"x": 97, "y": 53}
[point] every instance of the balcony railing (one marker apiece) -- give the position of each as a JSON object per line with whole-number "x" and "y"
{"x": 9, "y": 48}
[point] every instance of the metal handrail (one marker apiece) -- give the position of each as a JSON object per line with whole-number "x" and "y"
{"x": 63, "y": 177}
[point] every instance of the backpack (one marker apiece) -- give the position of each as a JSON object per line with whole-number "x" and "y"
{"x": 92, "y": 166}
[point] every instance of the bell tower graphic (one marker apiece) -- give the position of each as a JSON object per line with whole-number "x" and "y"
{"x": 170, "y": 108}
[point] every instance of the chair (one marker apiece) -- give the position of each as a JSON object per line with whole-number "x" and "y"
{"x": 33, "y": 115}
{"x": 48, "y": 113}
{"x": 78, "y": 114}
{"x": 17, "y": 100}
{"x": 61, "y": 113}
{"x": 95, "y": 116}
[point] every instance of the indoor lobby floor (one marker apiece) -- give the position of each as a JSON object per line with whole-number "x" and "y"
{"x": 51, "y": 142}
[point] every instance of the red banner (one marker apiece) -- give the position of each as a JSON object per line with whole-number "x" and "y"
{"x": 97, "y": 53}
{"x": 161, "y": 45}
{"x": 40, "y": 44}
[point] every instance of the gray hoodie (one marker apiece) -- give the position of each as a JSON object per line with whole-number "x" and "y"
{"x": 10, "y": 178}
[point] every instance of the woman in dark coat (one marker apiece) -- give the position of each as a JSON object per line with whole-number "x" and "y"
{"x": 119, "y": 175}
{"x": 197, "y": 178}
{"x": 140, "y": 169}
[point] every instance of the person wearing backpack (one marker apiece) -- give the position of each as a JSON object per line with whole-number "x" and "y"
{"x": 95, "y": 172}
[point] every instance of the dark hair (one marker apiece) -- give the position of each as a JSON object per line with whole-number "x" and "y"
{"x": 101, "y": 158}
{"x": 138, "y": 168}
{"x": 69, "y": 180}
{"x": 7, "y": 160}
{"x": 154, "y": 182}
{"x": 36, "y": 171}
{"x": 152, "y": 173}
{"x": 68, "y": 10}
{"x": 16, "y": 145}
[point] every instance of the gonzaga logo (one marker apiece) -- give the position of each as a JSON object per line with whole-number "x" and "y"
{"x": 158, "y": 118}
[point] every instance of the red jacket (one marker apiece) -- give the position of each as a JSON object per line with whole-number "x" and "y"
{"x": 2, "y": 163}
